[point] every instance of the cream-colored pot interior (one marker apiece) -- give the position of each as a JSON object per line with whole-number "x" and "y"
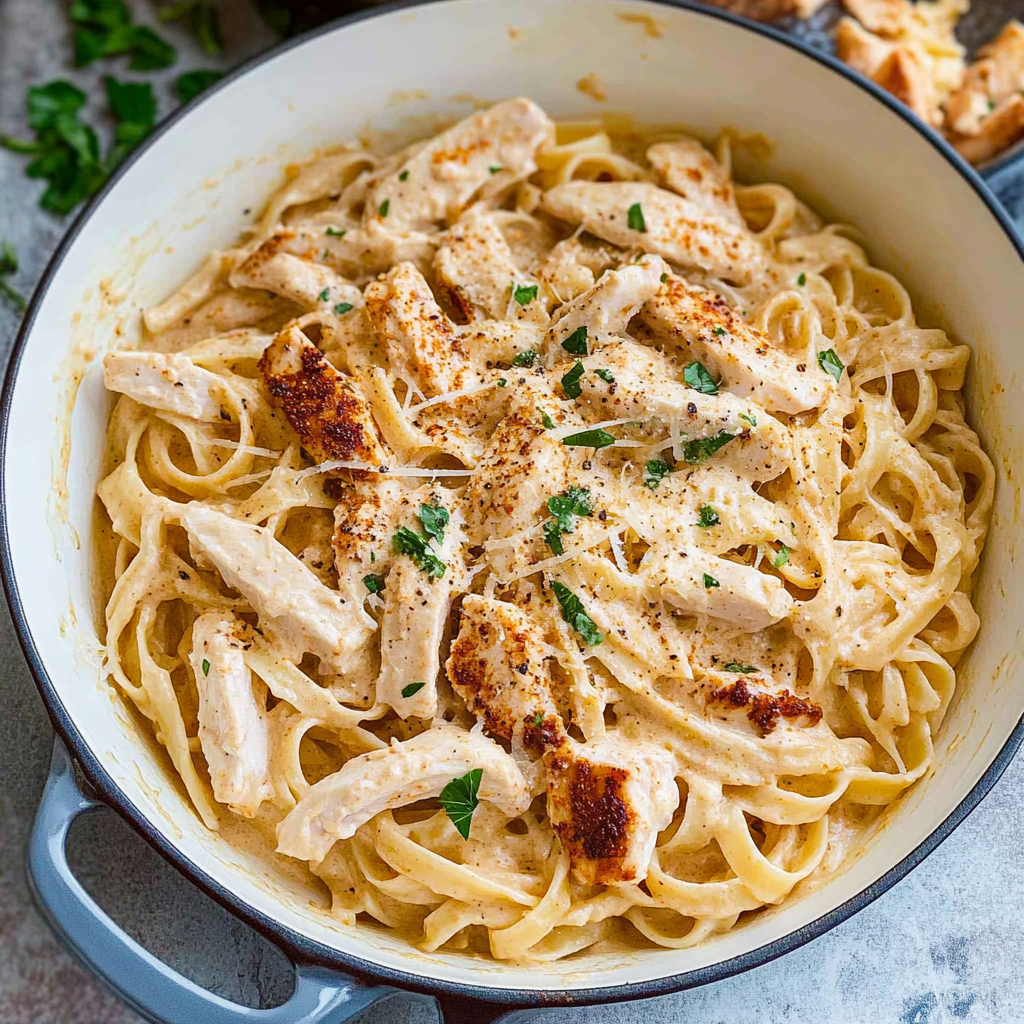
{"x": 404, "y": 73}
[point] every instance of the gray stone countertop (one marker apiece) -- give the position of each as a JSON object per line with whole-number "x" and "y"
{"x": 945, "y": 945}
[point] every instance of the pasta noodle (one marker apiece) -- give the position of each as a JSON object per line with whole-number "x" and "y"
{"x": 550, "y": 543}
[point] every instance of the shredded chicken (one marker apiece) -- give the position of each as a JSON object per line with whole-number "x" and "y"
{"x": 168, "y": 383}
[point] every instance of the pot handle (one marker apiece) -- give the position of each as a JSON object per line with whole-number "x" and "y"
{"x": 150, "y": 987}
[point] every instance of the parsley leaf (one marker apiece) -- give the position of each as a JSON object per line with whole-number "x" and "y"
{"x": 404, "y": 175}
{"x": 576, "y": 343}
{"x": 802, "y": 279}
{"x": 571, "y": 381}
{"x": 573, "y": 613}
{"x": 324, "y": 295}
{"x": 134, "y": 108}
{"x": 564, "y": 508}
{"x": 553, "y": 537}
{"x": 459, "y": 799}
{"x": 525, "y": 293}
{"x": 373, "y": 583}
{"x": 103, "y": 28}
{"x": 494, "y": 169}
{"x": 205, "y": 22}
{"x": 698, "y": 378}
{"x": 527, "y": 358}
{"x": 434, "y": 519}
{"x": 546, "y": 420}
{"x": 384, "y": 207}
{"x": 720, "y": 331}
{"x": 412, "y": 688}
{"x": 781, "y": 557}
{"x": 342, "y": 308}
{"x": 206, "y": 667}
{"x": 707, "y": 517}
{"x": 502, "y": 382}
{"x": 831, "y": 364}
{"x": 703, "y": 448}
{"x": 606, "y": 375}
{"x": 538, "y": 719}
{"x": 407, "y": 542}
{"x": 192, "y": 83}
{"x": 710, "y": 582}
{"x": 664, "y": 278}
{"x": 735, "y": 666}
{"x": 752, "y": 420}
{"x": 655, "y": 471}
{"x": 9, "y": 265}
{"x": 334, "y": 233}
{"x": 589, "y": 439}
{"x": 635, "y": 218}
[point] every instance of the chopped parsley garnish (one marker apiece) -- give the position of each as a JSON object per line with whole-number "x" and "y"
{"x": 527, "y": 358}
{"x": 538, "y": 719}
{"x": 373, "y": 583}
{"x": 720, "y": 331}
{"x": 206, "y": 667}
{"x": 735, "y": 666}
{"x": 342, "y": 308}
{"x": 205, "y": 22}
{"x": 384, "y": 207}
{"x": 564, "y": 508}
{"x": 412, "y": 688}
{"x": 697, "y": 377}
{"x": 103, "y": 28}
{"x": 710, "y": 582}
{"x": 635, "y": 218}
{"x": 417, "y": 547}
{"x": 576, "y": 343}
{"x": 655, "y": 471}
{"x": 434, "y": 519}
{"x": 589, "y": 439}
{"x": 8, "y": 266}
{"x": 404, "y": 175}
{"x": 664, "y": 278}
{"x": 134, "y": 108}
{"x": 703, "y": 448}
{"x": 831, "y": 364}
{"x": 192, "y": 83}
{"x": 802, "y": 279}
{"x": 525, "y": 293}
{"x": 502, "y": 382}
{"x": 707, "y": 517}
{"x": 495, "y": 168}
{"x": 781, "y": 557}
{"x": 546, "y": 420}
{"x": 573, "y": 613}
{"x": 459, "y": 799}
{"x": 334, "y": 233}
{"x": 606, "y": 375}
{"x": 324, "y": 295}
{"x": 571, "y": 381}
{"x": 752, "y": 420}
{"x": 373, "y": 557}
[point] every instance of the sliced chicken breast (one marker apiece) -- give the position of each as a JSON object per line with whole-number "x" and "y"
{"x": 496, "y": 666}
{"x": 233, "y": 730}
{"x": 168, "y": 383}
{"x": 418, "y": 769}
{"x": 687, "y": 168}
{"x": 639, "y": 215}
{"x": 608, "y": 799}
{"x": 324, "y": 406}
{"x": 291, "y": 602}
{"x": 704, "y": 325}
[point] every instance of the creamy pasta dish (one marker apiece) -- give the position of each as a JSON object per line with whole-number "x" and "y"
{"x": 546, "y": 543}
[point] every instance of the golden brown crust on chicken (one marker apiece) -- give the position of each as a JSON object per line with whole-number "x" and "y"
{"x": 321, "y": 403}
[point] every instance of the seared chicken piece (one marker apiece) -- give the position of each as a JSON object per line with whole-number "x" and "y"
{"x": 233, "y": 730}
{"x": 1001, "y": 129}
{"x": 168, "y": 383}
{"x": 310, "y": 284}
{"x": 417, "y": 601}
{"x": 497, "y": 667}
{"x": 292, "y": 603}
{"x": 608, "y": 799}
{"x": 401, "y": 774}
{"x": 418, "y": 334}
{"x": 672, "y": 226}
{"x": 700, "y": 583}
{"x": 687, "y": 168}
{"x": 368, "y": 512}
{"x": 997, "y": 75}
{"x": 476, "y": 270}
{"x": 748, "y": 364}
{"x": 475, "y": 159}
{"x": 323, "y": 405}
{"x": 607, "y": 307}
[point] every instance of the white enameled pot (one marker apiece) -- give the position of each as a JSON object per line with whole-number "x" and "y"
{"x": 394, "y": 74}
